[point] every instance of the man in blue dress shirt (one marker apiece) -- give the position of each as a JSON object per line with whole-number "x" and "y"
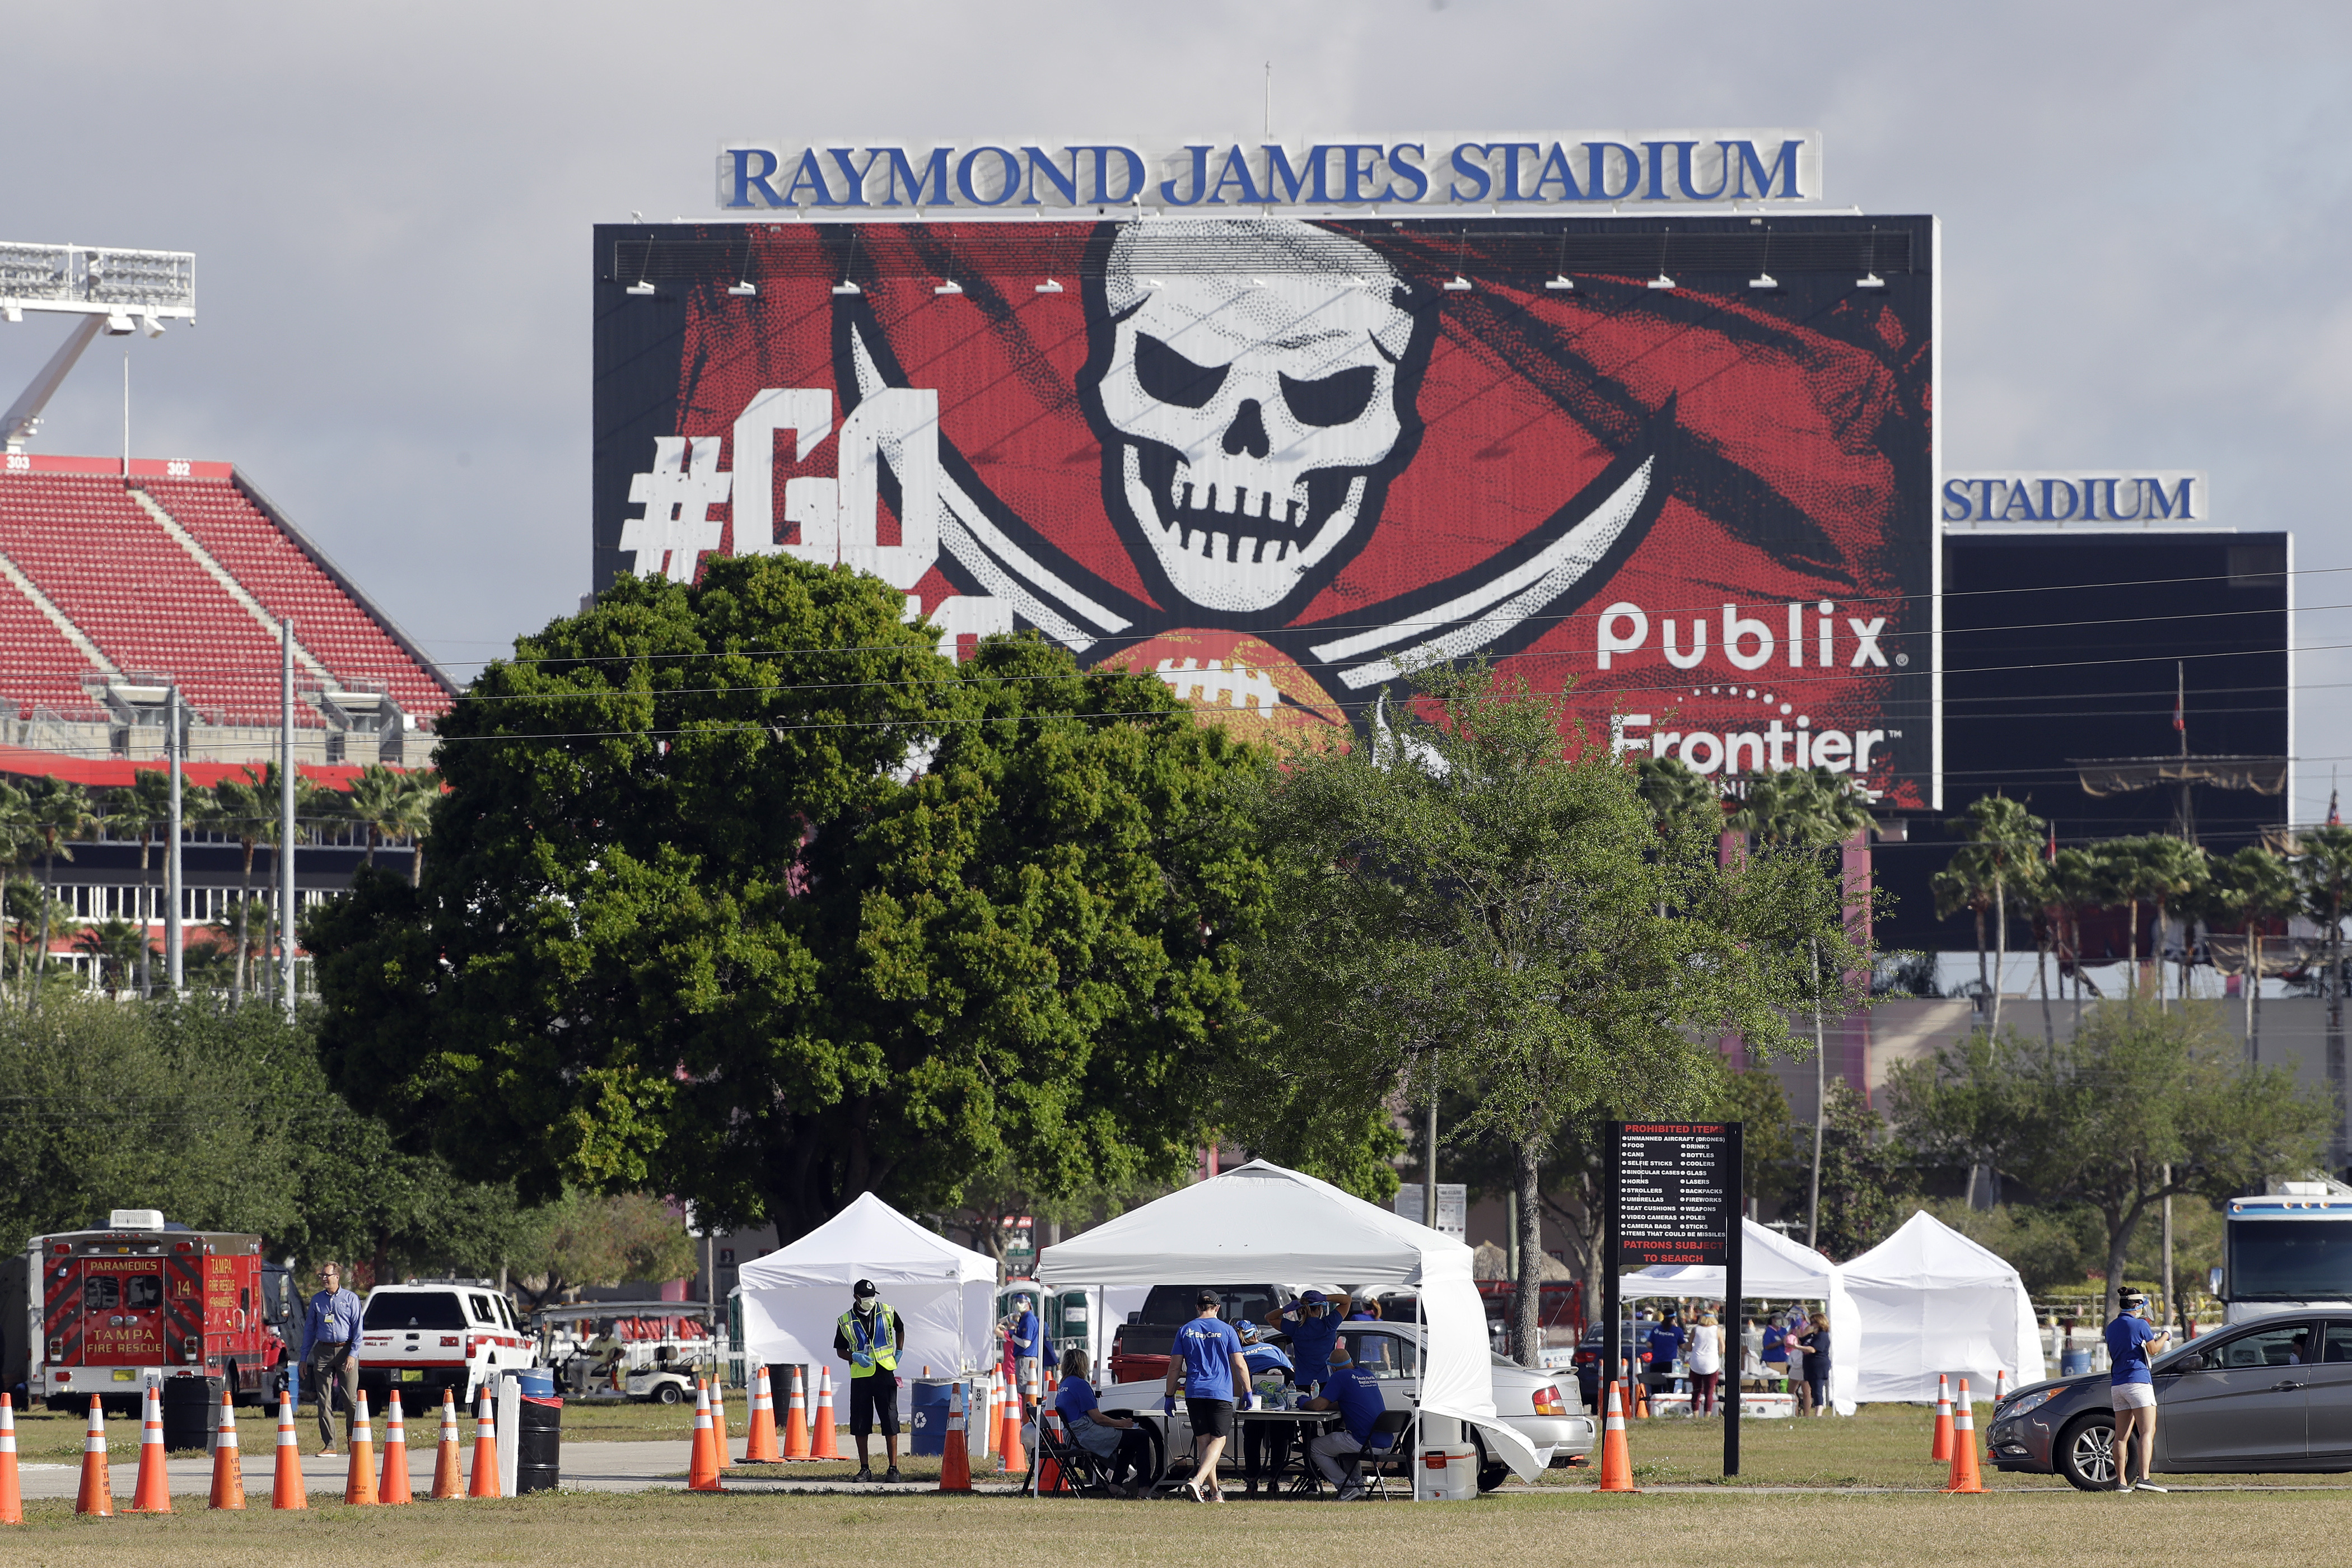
{"x": 330, "y": 1349}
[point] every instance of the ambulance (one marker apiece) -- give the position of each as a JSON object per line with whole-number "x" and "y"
{"x": 108, "y": 1312}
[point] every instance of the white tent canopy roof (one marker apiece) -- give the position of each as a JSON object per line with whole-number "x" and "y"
{"x": 1263, "y": 1222}
{"x": 1930, "y": 1301}
{"x": 793, "y": 1296}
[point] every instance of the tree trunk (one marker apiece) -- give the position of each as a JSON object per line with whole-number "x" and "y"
{"x": 2156, "y": 953}
{"x": 41, "y": 944}
{"x": 146, "y": 906}
{"x": 1429, "y": 1164}
{"x": 2001, "y": 945}
{"x": 244, "y": 913}
{"x": 1982, "y": 983}
{"x": 2254, "y": 1006}
{"x": 2253, "y": 984}
{"x": 1821, "y": 1100}
{"x": 2135, "y": 974}
{"x": 1527, "y": 1332}
{"x": 2042, "y": 981}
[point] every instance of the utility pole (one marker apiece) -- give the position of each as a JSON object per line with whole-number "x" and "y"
{"x": 173, "y": 893}
{"x": 286, "y": 815}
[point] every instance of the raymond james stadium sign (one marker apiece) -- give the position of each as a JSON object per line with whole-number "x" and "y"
{"x": 1674, "y": 168}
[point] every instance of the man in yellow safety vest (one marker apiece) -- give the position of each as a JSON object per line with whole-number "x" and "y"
{"x": 868, "y": 1337}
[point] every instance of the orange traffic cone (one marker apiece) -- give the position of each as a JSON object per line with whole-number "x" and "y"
{"x": 759, "y": 1443}
{"x": 955, "y": 1462}
{"x": 153, "y": 1492}
{"x": 796, "y": 1434}
{"x": 96, "y": 1495}
{"x": 286, "y": 1488}
{"x": 1616, "y": 1459}
{"x": 229, "y": 1469}
{"x": 823, "y": 1442}
{"x": 12, "y": 1495}
{"x": 718, "y": 1421}
{"x": 391, "y": 1486}
{"x": 1965, "y": 1475}
{"x": 1010, "y": 1459}
{"x": 1999, "y": 1385}
{"x": 702, "y": 1470}
{"x": 1049, "y": 1469}
{"x": 1940, "y": 1450}
{"x": 359, "y": 1475}
{"x": 449, "y": 1466}
{"x": 1640, "y": 1402}
{"x": 486, "y": 1451}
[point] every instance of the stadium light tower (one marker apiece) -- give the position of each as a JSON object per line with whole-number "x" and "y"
{"x": 117, "y": 292}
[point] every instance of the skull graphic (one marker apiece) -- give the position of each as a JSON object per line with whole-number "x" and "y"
{"x": 1253, "y": 385}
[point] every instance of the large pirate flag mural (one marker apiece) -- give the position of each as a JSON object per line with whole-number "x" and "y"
{"x": 1684, "y": 464}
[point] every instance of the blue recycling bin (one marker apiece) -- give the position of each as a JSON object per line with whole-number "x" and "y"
{"x": 2074, "y": 1363}
{"x": 929, "y": 1421}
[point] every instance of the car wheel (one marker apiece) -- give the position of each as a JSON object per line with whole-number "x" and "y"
{"x": 2086, "y": 1452}
{"x": 667, "y": 1394}
{"x": 1156, "y": 1466}
{"x": 1492, "y": 1472}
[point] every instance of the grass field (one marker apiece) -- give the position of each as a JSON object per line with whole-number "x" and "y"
{"x": 2046, "y": 1530}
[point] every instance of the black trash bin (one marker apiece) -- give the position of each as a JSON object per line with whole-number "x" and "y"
{"x": 191, "y": 1413}
{"x": 539, "y": 1444}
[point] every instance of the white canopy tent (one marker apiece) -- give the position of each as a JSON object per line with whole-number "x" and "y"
{"x": 1927, "y": 1301}
{"x": 794, "y": 1298}
{"x": 1772, "y": 1267}
{"x": 1263, "y": 1222}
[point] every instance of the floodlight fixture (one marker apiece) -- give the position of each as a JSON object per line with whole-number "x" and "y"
{"x": 1457, "y": 284}
{"x": 1049, "y": 287}
{"x": 116, "y": 292}
{"x": 950, "y": 287}
{"x": 641, "y": 287}
{"x": 1869, "y": 280}
{"x": 846, "y": 287}
{"x": 1662, "y": 282}
{"x": 743, "y": 290}
{"x": 1764, "y": 281}
{"x": 1562, "y": 282}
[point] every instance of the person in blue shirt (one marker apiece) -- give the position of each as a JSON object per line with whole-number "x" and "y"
{"x": 1665, "y": 1344}
{"x": 1207, "y": 1360}
{"x": 1357, "y": 1398}
{"x": 1118, "y": 1440}
{"x": 331, "y": 1350}
{"x": 1265, "y": 1445}
{"x": 1313, "y": 1328}
{"x": 1775, "y": 1353}
{"x": 1027, "y": 1349}
{"x": 2132, "y": 1343}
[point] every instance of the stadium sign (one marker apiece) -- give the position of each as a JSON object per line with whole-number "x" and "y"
{"x": 1642, "y": 167}
{"x": 2078, "y": 496}
{"x": 1682, "y": 464}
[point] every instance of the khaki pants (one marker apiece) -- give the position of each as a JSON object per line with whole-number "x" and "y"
{"x": 333, "y": 1366}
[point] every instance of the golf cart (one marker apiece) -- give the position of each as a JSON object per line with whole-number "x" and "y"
{"x": 606, "y": 1353}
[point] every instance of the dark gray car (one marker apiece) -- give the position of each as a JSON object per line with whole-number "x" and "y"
{"x": 2267, "y": 1396}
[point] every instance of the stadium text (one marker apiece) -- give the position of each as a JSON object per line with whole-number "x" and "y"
{"x": 2168, "y": 497}
{"x": 1722, "y": 166}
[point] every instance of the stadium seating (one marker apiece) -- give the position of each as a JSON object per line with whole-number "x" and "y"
{"x": 149, "y": 604}
{"x": 275, "y": 570}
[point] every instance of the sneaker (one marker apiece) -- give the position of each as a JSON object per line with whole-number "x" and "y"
{"x": 2123, "y": 1486}
{"x": 863, "y": 1475}
{"x": 1350, "y": 1494}
{"x": 328, "y": 1453}
{"x": 893, "y": 1475}
{"x": 2144, "y": 1485}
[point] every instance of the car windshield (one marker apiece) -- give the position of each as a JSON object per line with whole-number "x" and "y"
{"x": 1170, "y": 1305}
{"x": 415, "y": 1309}
{"x": 1382, "y": 1356}
{"x": 2290, "y": 1261}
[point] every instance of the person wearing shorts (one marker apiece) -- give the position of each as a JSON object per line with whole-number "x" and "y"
{"x": 2132, "y": 1343}
{"x": 869, "y": 1337}
{"x": 1208, "y": 1361}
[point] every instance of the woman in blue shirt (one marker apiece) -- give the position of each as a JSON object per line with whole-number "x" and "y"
{"x": 1114, "y": 1439}
{"x": 2132, "y": 1342}
{"x": 1265, "y": 1445}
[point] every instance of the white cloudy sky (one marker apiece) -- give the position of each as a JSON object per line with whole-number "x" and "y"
{"x": 390, "y": 214}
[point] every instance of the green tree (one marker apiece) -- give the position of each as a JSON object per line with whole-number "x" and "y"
{"x": 2323, "y": 865}
{"x": 2139, "y": 1104}
{"x": 1867, "y": 1183}
{"x": 144, "y": 807}
{"x": 599, "y": 1240}
{"x": 1683, "y": 802}
{"x": 1997, "y": 870}
{"x": 1475, "y": 883}
{"x": 60, "y": 813}
{"x": 742, "y": 893}
{"x": 2247, "y": 891}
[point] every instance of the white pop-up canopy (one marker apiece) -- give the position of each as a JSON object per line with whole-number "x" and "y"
{"x": 1772, "y": 1267}
{"x": 794, "y": 1298}
{"x": 1263, "y": 1222}
{"x": 1927, "y": 1301}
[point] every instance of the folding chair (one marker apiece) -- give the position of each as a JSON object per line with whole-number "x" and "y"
{"x": 1079, "y": 1472}
{"x": 1394, "y": 1425}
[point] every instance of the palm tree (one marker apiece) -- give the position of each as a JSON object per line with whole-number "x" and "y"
{"x": 116, "y": 943}
{"x": 421, "y": 795}
{"x": 2325, "y": 869}
{"x": 15, "y": 851}
{"x": 2006, "y": 841}
{"x": 2250, "y": 890}
{"x": 1676, "y": 795}
{"x": 61, "y": 814}
{"x": 2166, "y": 868}
{"x": 2074, "y": 881}
{"x": 377, "y": 801}
{"x": 144, "y": 808}
{"x": 1807, "y": 808}
{"x": 245, "y": 806}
